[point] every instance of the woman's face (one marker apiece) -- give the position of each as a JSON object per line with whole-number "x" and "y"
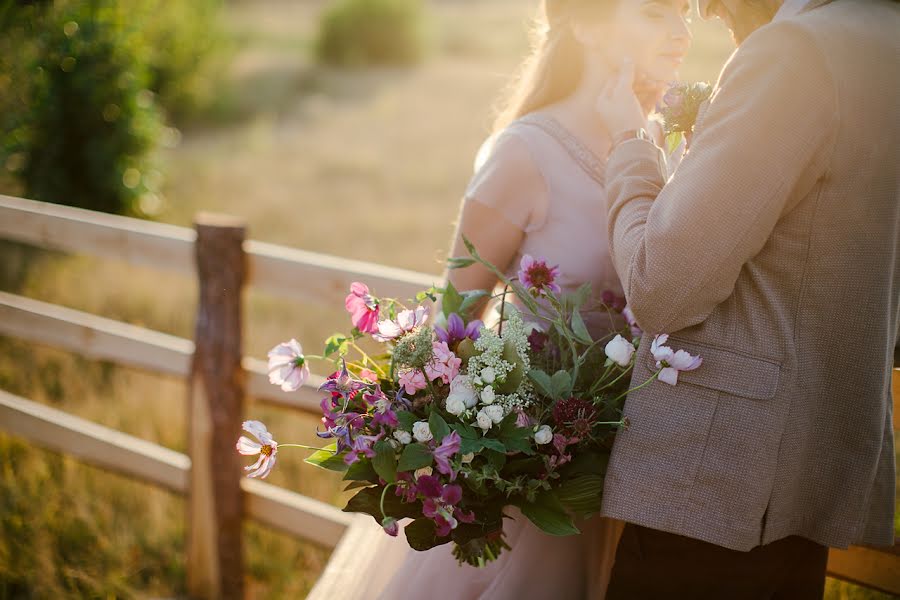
{"x": 654, "y": 34}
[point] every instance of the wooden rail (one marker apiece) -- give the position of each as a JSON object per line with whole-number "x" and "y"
{"x": 133, "y": 457}
{"x": 294, "y": 273}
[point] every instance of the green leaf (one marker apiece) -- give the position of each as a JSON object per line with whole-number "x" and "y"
{"x": 542, "y": 381}
{"x": 385, "y": 461}
{"x": 339, "y": 343}
{"x": 368, "y": 501}
{"x": 438, "y": 426}
{"x": 581, "y": 494}
{"x": 673, "y": 140}
{"x": 581, "y": 295}
{"x": 451, "y": 300}
{"x": 459, "y": 263}
{"x": 406, "y": 420}
{"x": 421, "y": 535}
{"x": 515, "y": 438}
{"x": 327, "y": 459}
{"x": 470, "y": 299}
{"x": 465, "y": 431}
{"x": 355, "y": 485}
{"x": 361, "y": 470}
{"x": 415, "y": 456}
{"x": 497, "y": 458}
{"x": 548, "y": 514}
{"x": 493, "y": 444}
{"x": 580, "y": 329}
{"x": 561, "y": 384}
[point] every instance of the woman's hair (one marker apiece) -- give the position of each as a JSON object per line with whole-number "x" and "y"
{"x": 554, "y": 68}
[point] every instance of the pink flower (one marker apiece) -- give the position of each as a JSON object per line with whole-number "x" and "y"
{"x": 440, "y": 505}
{"x": 412, "y": 380}
{"x": 287, "y": 366}
{"x": 672, "y": 362}
{"x": 406, "y": 321}
{"x": 449, "y": 446}
{"x": 537, "y": 277}
{"x": 368, "y": 375}
{"x": 266, "y": 448}
{"x": 444, "y": 363}
{"x": 363, "y": 308}
{"x": 636, "y": 331}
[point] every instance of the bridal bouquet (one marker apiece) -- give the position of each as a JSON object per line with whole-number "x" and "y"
{"x": 452, "y": 422}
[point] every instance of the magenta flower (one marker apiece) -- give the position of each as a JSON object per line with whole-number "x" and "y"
{"x": 391, "y": 526}
{"x": 457, "y": 330}
{"x": 384, "y": 413}
{"x": 361, "y": 444}
{"x": 537, "y": 277}
{"x": 441, "y": 506}
{"x": 363, "y": 308}
{"x": 266, "y": 448}
{"x": 406, "y": 321}
{"x": 613, "y": 300}
{"x": 412, "y": 380}
{"x": 670, "y": 361}
{"x": 449, "y": 446}
{"x": 444, "y": 363}
{"x": 287, "y": 366}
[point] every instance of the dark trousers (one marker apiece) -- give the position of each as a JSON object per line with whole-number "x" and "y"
{"x": 654, "y": 564}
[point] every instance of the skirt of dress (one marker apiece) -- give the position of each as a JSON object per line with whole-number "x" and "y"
{"x": 370, "y": 565}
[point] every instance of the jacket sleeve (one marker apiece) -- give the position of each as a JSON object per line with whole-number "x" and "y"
{"x": 679, "y": 247}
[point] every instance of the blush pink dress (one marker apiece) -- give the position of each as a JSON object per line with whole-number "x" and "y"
{"x": 567, "y": 229}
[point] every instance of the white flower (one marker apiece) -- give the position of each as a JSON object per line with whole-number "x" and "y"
{"x": 467, "y": 458}
{"x": 406, "y": 321}
{"x": 287, "y": 366}
{"x": 423, "y": 471}
{"x": 421, "y": 431}
{"x": 544, "y": 435}
{"x": 620, "y": 351}
{"x": 487, "y": 395}
{"x": 488, "y": 375}
{"x": 455, "y": 405}
{"x": 267, "y": 449}
{"x": 495, "y": 412}
{"x": 670, "y": 361}
{"x": 461, "y": 387}
{"x": 403, "y": 437}
{"x": 483, "y": 420}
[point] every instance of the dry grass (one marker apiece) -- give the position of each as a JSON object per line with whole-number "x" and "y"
{"x": 340, "y": 163}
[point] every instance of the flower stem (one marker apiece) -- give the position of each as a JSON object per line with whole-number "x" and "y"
{"x": 383, "y": 495}
{"x": 367, "y": 359}
{"x": 625, "y": 393}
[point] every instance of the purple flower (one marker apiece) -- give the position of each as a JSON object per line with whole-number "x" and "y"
{"x": 384, "y": 414}
{"x": 457, "y": 330}
{"x": 537, "y": 277}
{"x": 613, "y": 300}
{"x": 391, "y": 526}
{"x": 674, "y": 96}
{"x": 670, "y": 361}
{"x": 636, "y": 331}
{"x": 449, "y": 446}
{"x": 443, "y": 511}
{"x": 342, "y": 383}
{"x": 361, "y": 444}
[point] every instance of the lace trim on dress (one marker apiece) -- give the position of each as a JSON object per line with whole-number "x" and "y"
{"x": 584, "y": 156}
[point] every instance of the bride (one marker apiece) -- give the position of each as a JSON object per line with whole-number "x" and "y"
{"x": 538, "y": 190}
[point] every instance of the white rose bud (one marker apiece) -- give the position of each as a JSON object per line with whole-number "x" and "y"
{"x": 487, "y": 395}
{"x": 461, "y": 387}
{"x": 455, "y": 405}
{"x": 484, "y": 420}
{"x": 402, "y": 436}
{"x": 423, "y": 471}
{"x": 467, "y": 458}
{"x": 488, "y": 375}
{"x": 544, "y": 435}
{"x": 421, "y": 431}
{"x": 619, "y": 350}
{"x": 495, "y": 412}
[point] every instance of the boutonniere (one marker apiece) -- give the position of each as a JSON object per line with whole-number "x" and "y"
{"x": 681, "y": 104}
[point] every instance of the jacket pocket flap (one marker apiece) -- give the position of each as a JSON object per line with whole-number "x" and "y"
{"x": 727, "y": 371}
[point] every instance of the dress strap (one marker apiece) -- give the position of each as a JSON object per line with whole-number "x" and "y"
{"x": 586, "y": 158}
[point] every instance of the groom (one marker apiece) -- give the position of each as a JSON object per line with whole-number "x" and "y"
{"x": 773, "y": 252}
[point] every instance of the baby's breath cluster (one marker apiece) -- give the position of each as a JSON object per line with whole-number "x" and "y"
{"x": 498, "y": 370}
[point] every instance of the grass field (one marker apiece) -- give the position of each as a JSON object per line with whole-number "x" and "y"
{"x": 367, "y": 165}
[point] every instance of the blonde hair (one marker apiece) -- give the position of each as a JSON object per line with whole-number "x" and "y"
{"x": 555, "y": 65}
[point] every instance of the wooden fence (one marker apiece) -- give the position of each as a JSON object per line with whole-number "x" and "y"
{"x": 220, "y": 378}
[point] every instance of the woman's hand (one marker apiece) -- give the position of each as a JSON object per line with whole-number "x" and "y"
{"x": 618, "y": 105}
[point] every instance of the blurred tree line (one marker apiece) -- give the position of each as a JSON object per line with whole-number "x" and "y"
{"x": 86, "y": 90}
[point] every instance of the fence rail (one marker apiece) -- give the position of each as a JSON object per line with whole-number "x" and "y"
{"x": 284, "y": 271}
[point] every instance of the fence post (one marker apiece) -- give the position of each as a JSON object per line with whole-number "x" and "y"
{"x": 215, "y": 501}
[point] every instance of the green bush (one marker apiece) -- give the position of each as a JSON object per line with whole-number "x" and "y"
{"x": 92, "y": 123}
{"x": 371, "y": 32}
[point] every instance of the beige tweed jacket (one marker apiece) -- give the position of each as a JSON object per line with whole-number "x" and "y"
{"x": 774, "y": 253}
